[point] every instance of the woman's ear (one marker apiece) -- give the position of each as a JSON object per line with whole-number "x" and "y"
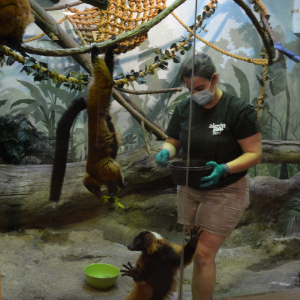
{"x": 215, "y": 78}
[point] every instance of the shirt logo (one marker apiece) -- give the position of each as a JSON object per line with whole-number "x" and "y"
{"x": 217, "y": 128}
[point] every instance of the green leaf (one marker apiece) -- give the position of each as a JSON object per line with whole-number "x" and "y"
{"x": 79, "y": 131}
{"x": 174, "y": 45}
{"x": 278, "y": 81}
{"x": 61, "y": 94}
{"x": 22, "y": 101}
{"x": 176, "y": 59}
{"x": 10, "y": 61}
{"x": 244, "y": 83}
{"x": 177, "y": 100}
{"x": 3, "y": 102}
{"x": 58, "y": 108}
{"x": 37, "y": 115}
{"x": 36, "y": 94}
{"x": 26, "y": 110}
{"x": 229, "y": 89}
{"x": 43, "y": 64}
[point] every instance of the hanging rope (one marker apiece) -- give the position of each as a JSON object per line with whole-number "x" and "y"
{"x": 257, "y": 61}
{"x": 262, "y": 7}
{"x": 262, "y": 90}
{"x": 21, "y": 59}
{"x": 188, "y": 159}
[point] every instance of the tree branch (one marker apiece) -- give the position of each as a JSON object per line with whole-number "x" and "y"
{"x": 47, "y": 23}
{"x": 266, "y": 22}
{"x": 63, "y": 6}
{"x": 145, "y": 137}
{"x": 259, "y": 29}
{"x": 149, "y": 92}
{"x": 134, "y": 106}
{"x": 120, "y": 38}
{"x": 43, "y": 21}
{"x": 137, "y": 115}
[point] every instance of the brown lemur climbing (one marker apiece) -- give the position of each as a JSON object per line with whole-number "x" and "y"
{"x": 15, "y": 15}
{"x": 101, "y": 167}
{"x": 155, "y": 269}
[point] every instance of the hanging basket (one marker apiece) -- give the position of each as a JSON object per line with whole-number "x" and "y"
{"x": 197, "y": 170}
{"x": 97, "y": 25}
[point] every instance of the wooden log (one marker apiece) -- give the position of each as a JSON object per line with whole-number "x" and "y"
{"x": 24, "y": 190}
{"x": 281, "y": 152}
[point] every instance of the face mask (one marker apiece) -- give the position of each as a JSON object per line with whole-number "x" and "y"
{"x": 203, "y": 97}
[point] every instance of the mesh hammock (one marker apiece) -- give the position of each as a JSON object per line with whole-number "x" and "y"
{"x": 98, "y": 25}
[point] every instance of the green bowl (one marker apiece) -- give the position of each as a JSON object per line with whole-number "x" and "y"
{"x": 101, "y": 276}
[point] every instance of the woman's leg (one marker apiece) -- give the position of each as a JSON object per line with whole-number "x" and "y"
{"x": 204, "y": 271}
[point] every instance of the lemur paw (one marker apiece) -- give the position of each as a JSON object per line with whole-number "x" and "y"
{"x": 130, "y": 271}
{"x": 195, "y": 234}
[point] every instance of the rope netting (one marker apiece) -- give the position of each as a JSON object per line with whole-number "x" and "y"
{"x": 97, "y": 25}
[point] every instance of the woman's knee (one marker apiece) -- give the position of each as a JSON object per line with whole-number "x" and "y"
{"x": 204, "y": 258}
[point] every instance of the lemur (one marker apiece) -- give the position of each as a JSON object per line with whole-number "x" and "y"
{"x": 157, "y": 265}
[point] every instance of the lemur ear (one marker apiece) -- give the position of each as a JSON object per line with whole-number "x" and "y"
{"x": 148, "y": 239}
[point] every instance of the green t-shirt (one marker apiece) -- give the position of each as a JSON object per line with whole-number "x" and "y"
{"x": 215, "y": 132}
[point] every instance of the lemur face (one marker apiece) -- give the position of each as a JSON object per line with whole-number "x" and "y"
{"x": 144, "y": 240}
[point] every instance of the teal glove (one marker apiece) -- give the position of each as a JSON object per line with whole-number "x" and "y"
{"x": 214, "y": 177}
{"x": 162, "y": 158}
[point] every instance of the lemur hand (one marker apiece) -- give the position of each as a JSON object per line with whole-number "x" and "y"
{"x": 195, "y": 234}
{"x": 162, "y": 158}
{"x": 214, "y": 177}
{"x": 130, "y": 271}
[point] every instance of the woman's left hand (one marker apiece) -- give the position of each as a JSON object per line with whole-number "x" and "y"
{"x": 214, "y": 177}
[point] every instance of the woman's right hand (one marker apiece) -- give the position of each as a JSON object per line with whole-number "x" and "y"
{"x": 162, "y": 158}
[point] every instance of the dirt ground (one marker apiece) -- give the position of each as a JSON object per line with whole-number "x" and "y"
{"x": 48, "y": 264}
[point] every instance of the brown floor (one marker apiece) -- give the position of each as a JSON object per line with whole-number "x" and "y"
{"x": 293, "y": 294}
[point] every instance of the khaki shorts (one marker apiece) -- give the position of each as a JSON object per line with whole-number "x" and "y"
{"x": 216, "y": 211}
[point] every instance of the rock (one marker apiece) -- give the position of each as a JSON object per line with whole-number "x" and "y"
{"x": 267, "y": 196}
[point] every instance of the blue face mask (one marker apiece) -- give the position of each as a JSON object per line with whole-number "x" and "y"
{"x": 203, "y": 97}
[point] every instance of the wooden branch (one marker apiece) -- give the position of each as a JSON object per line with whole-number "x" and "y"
{"x": 134, "y": 106}
{"x": 264, "y": 19}
{"x": 65, "y": 41}
{"x": 281, "y": 152}
{"x": 44, "y": 21}
{"x": 259, "y": 29}
{"x": 145, "y": 138}
{"x": 137, "y": 115}
{"x": 149, "y": 92}
{"x": 63, "y": 6}
{"x": 120, "y": 38}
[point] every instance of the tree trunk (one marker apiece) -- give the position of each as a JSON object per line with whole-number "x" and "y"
{"x": 284, "y": 173}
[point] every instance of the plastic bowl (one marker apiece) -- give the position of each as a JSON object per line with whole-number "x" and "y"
{"x": 101, "y": 276}
{"x": 197, "y": 170}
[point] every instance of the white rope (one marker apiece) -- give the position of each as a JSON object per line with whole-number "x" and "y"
{"x": 188, "y": 161}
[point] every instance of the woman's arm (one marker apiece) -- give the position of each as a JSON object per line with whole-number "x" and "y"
{"x": 175, "y": 143}
{"x": 252, "y": 153}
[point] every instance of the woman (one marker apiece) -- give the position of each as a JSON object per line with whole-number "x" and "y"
{"x": 225, "y": 132}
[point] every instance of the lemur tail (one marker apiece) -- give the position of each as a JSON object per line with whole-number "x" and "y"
{"x": 62, "y": 144}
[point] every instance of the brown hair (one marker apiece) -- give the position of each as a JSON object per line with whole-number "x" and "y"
{"x": 203, "y": 67}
